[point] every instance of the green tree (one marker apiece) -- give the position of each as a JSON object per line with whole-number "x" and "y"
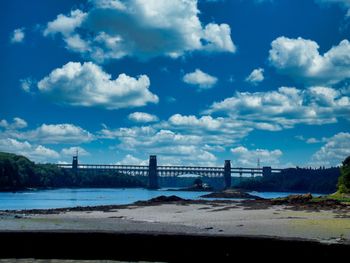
{"x": 344, "y": 178}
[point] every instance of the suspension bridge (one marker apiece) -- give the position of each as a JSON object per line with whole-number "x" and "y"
{"x": 153, "y": 171}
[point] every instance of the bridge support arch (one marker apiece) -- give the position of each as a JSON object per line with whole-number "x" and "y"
{"x": 152, "y": 172}
{"x": 227, "y": 174}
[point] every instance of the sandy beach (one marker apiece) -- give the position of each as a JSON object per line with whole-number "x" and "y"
{"x": 178, "y": 231}
{"x": 223, "y": 218}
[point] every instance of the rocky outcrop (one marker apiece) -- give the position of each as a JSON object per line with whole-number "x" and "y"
{"x": 295, "y": 199}
{"x": 165, "y": 199}
{"x": 231, "y": 193}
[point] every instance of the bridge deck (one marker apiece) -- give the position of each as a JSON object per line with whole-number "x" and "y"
{"x": 169, "y": 170}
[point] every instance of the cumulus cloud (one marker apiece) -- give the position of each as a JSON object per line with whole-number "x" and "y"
{"x": 74, "y": 150}
{"x": 182, "y": 139}
{"x": 17, "y": 123}
{"x": 37, "y": 153}
{"x": 127, "y": 132}
{"x": 256, "y": 76}
{"x": 113, "y": 29}
{"x": 56, "y": 133}
{"x": 17, "y": 35}
{"x": 200, "y": 79}
{"x": 300, "y": 59}
{"x": 206, "y": 122}
{"x": 287, "y": 106}
{"x": 216, "y": 131}
{"x": 334, "y": 151}
{"x": 45, "y": 133}
{"x": 246, "y": 157}
{"x": 65, "y": 25}
{"x": 88, "y": 85}
{"x": 142, "y": 117}
{"x": 172, "y": 147}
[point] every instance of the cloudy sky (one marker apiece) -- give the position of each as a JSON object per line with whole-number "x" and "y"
{"x": 195, "y": 82}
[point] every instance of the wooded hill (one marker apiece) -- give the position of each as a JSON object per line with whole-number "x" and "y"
{"x": 18, "y": 172}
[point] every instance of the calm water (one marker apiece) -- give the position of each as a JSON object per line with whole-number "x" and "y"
{"x": 65, "y": 197}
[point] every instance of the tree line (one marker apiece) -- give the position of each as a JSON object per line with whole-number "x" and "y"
{"x": 295, "y": 180}
{"x": 18, "y": 172}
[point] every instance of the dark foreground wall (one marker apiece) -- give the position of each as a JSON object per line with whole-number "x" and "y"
{"x": 160, "y": 247}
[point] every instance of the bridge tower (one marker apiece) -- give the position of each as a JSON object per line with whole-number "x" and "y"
{"x": 227, "y": 174}
{"x": 75, "y": 164}
{"x": 152, "y": 172}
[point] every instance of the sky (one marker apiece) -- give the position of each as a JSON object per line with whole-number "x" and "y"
{"x": 194, "y": 82}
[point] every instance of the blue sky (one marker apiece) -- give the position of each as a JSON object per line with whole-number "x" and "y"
{"x": 195, "y": 82}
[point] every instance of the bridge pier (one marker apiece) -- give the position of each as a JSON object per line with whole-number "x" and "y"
{"x": 266, "y": 171}
{"x": 227, "y": 174}
{"x": 152, "y": 172}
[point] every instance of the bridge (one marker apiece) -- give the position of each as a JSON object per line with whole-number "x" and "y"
{"x": 153, "y": 171}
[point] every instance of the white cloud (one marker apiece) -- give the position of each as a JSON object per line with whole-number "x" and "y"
{"x": 300, "y": 59}
{"x": 26, "y": 84}
{"x": 4, "y": 124}
{"x": 56, "y": 133}
{"x": 17, "y": 123}
{"x": 182, "y": 139}
{"x": 36, "y": 153}
{"x": 141, "y": 28}
{"x": 200, "y": 79}
{"x": 142, "y": 117}
{"x": 65, "y": 25}
{"x": 218, "y": 38}
{"x": 172, "y": 147}
{"x": 8, "y": 144}
{"x": 45, "y": 153}
{"x": 127, "y": 132}
{"x": 256, "y": 76}
{"x": 88, "y": 85}
{"x": 216, "y": 131}
{"x": 206, "y": 122}
{"x": 213, "y": 148}
{"x": 335, "y": 150}
{"x": 246, "y": 157}
{"x": 74, "y": 150}
{"x": 130, "y": 159}
{"x": 17, "y": 35}
{"x": 312, "y": 140}
{"x": 286, "y": 107}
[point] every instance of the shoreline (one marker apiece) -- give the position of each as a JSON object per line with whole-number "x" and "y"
{"x": 214, "y": 228}
{"x": 324, "y": 222}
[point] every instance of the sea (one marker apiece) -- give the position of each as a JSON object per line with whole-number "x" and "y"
{"x": 72, "y": 197}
